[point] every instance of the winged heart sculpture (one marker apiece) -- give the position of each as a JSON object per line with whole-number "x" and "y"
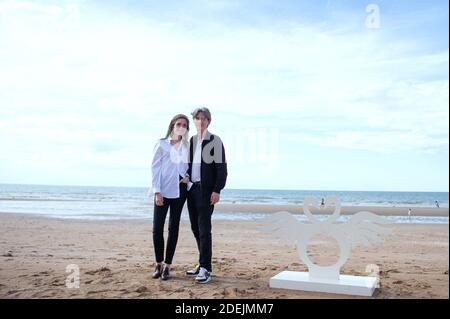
{"x": 362, "y": 228}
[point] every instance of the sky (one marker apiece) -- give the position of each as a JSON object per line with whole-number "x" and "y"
{"x": 309, "y": 95}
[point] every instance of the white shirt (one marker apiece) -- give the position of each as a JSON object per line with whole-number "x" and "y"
{"x": 197, "y": 159}
{"x": 169, "y": 163}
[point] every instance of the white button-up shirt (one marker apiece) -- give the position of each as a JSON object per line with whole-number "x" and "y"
{"x": 169, "y": 163}
{"x": 196, "y": 162}
{"x": 197, "y": 158}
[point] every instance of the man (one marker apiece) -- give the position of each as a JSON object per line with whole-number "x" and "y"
{"x": 208, "y": 173}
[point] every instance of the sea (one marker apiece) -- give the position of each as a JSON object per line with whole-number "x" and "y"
{"x": 118, "y": 203}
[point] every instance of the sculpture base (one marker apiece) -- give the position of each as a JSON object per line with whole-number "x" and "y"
{"x": 348, "y": 285}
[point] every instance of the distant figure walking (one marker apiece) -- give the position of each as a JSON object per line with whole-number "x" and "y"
{"x": 322, "y": 204}
{"x": 409, "y": 214}
{"x": 437, "y": 204}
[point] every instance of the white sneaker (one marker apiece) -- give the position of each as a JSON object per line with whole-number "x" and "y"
{"x": 193, "y": 272}
{"x": 203, "y": 276}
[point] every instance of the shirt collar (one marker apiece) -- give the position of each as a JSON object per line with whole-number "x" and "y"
{"x": 205, "y": 134}
{"x": 167, "y": 140}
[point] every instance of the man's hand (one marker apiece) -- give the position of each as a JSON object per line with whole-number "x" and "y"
{"x": 159, "y": 201}
{"x": 215, "y": 197}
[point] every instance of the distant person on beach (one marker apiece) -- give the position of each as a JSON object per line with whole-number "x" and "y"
{"x": 409, "y": 213}
{"x": 169, "y": 188}
{"x": 437, "y": 204}
{"x": 322, "y": 204}
{"x": 208, "y": 173}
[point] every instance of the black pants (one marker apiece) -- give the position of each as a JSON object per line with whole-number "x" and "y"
{"x": 200, "y": 212}
{"x": 159, "y": 219}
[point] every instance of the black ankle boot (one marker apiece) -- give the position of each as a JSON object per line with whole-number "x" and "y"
{"x": 157, "y": 272}
{"x": 165, "y": 273}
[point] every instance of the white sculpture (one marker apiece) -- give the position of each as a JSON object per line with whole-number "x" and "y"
{"x": 362, "y": 228}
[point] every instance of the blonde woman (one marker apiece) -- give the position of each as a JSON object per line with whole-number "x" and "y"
{"x": 169, "y": 188}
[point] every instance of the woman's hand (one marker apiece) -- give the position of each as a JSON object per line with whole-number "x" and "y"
{"x": 159, "y": 201}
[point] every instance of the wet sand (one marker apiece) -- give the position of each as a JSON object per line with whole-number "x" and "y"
{"x": 345, "y": 210}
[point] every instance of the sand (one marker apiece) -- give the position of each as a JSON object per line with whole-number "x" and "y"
{"x": 115, "y": 260}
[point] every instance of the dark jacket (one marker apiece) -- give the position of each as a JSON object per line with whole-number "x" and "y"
{"x": 213, "y": 168}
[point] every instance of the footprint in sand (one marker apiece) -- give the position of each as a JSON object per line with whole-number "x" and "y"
{"x": 96, "y": 291}
{"x": 394, "y": 271}
{"x": 106, "y": 281}
{"x": 141, "y": 289}
{"x": 11, "y": 292}
{"x": 262, "y": 268}
{"x": 423, "y": 286}
{"x": 386, "y": 273}
{"x": 56, "y": 282}
{"x": 230, "y": 292}
{"x": 100, "y": 270}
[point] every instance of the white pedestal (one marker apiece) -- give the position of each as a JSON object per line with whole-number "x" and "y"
{"x": 348, "y": 285}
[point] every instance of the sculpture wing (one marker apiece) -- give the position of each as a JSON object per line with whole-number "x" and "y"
{"x": 365, "y": 227}
{"x": 284, "y": 226}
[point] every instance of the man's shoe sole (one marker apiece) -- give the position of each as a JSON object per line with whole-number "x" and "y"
{"x": 204, "y": 281}
{"x": 192, "y": 274}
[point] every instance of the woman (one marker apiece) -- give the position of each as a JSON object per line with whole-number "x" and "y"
{"x": 169, "y": 187}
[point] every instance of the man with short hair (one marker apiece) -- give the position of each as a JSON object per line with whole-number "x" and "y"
{"x": 208, "y": 173}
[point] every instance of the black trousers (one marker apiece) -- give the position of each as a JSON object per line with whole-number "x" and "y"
{"x": 159, "y": 219}
{"x": 200, "y": 212}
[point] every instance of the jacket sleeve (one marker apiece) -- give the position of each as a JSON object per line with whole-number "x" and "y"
{"x": 221, "y": 169}
{"x": 157, "y": 169}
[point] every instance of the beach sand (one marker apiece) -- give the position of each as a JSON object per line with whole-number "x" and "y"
{"x": 115, "y": 260}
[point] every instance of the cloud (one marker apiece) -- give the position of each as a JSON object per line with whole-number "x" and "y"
{"x": 106, "y": 82}
{"x": 391, "y": 142}
{"x": 12, "y": 6}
